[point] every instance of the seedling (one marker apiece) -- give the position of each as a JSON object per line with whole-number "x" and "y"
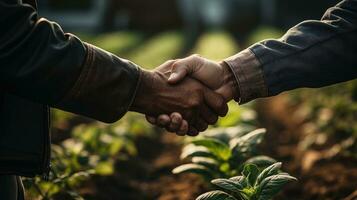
{"x": 214, "y": 158}
{"x": 253, "y": 184}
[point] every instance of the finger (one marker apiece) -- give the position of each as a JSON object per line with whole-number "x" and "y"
{"x": 151, "y": 119}
{"x": 183, "y": 67}
{"x": 178, "y": 72}
{"x": 176, "y": 121}
{"x": 201, "y": 125}
{"x": 191, "y": 116}
{"x": 183, "y": 129}
{"x": 165, "y": 68}
{"x": 208, "y": 115}
{"x": 216, "y": 102}
{"x": 163, "y": 120}
{"x": 192, "y": 131}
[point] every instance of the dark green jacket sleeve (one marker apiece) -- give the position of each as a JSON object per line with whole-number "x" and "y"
{"x": 41, "y": 63}
{"x": 314, "y": 53}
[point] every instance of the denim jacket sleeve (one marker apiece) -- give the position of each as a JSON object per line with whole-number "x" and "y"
{"x": 41, "y": 63}
{"x": 311, "y": 54}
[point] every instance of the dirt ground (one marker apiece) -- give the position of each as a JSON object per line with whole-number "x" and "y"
{"x": 148, "y": 175}
{"x": 321, "y": 177}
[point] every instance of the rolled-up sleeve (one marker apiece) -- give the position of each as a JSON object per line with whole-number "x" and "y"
{"x": 249, "y": 76}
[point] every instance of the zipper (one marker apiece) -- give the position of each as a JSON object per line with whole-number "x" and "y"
{"x": 46, "y": 165}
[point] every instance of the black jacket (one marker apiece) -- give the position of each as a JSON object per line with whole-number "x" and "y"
{"x": 42, "y": 66}
{"x": 314, "y": 53}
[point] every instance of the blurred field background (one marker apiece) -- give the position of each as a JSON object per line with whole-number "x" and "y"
{"x": 312, "y": 131}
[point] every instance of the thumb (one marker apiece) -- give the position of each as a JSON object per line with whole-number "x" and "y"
{"x": 178, "y": 72}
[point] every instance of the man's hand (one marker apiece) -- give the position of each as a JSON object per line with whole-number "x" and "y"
{"x": 196, "y": 103}
{"x": 216, "y": 76}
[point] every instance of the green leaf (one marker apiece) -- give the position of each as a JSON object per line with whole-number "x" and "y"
{"x": 105, "y": 168}
{"x": 269, "y": 171}
{"x": 241, "y": 180}
{"x": 237, "y": 179}
{"x": 75, "y": 195}
{"x": 217, "y": 147}
{"x": 192, "y": 150}
{"x": 207, "y": 162}
{"x": 248, "y": 193}
{"x": 261, "y": 161}
{"x": 247, "y": 144}
{"x": 215, "y": 195}
{"x": 193, "y": 168}
{"x": 226, "y": 134}
{"x": 251, "y": 172}
{"x": 271, "y": 185}
{"x": 225, "y": 168}
{"x": 227, "y": 185}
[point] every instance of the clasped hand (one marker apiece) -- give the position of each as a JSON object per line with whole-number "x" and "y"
{"x": 185, "y": 95}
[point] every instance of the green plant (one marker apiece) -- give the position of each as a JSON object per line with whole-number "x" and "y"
{"x": 70, "y": 168}
{"x": 223, "y": 154}
{"x": 93, "y": 149}
{"x": 253, "y": 184}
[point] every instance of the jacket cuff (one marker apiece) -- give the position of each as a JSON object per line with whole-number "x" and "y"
{"x": 249, "y": 75}
{"x": 106, "y": 87}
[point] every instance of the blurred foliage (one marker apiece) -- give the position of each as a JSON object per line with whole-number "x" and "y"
{"x": 119, "y": 43}
{"x": 92, "y": 149}
{"x": 331, "y": 115}
{"x": 216, "y": 45}
{"x": 263, "y": 33}
{"x": 238, "y": 114}
{"x": 60, "y": 118}
{"x": 158, "y": 49}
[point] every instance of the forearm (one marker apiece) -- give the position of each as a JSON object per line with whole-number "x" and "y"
{"x": 105, "y": 88}
{"x": 312, "y": 54}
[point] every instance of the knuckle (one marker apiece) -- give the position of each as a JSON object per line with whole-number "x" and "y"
{"x": 175, "y": 118}
{"x": 197, "y": 99}
{"x": 196, "y": 56}
{"x": 174, "y": 66}
{"x": 195, "y": 103}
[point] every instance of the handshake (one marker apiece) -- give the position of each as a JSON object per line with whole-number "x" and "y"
{"x": 185, "y": 95}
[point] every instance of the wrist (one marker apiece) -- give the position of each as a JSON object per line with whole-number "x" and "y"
{"x": 231, "y": 88}
{"x": 141, "y": 101}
